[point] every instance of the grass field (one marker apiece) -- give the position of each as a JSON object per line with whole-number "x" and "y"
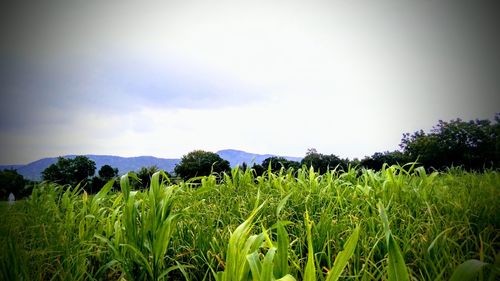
{"x": 396, "y": 224}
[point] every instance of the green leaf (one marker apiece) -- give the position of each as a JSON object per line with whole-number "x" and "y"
{"x": 429, "y": 249}
{"x": 344, "y": 256}
{"x": 281, "y": 265}
{"x": 255, "y": 266}
{"x": 140, "y": 258}
{"x": 240, "y": 244}
{"x": 396, "y": 265}
{"x": 267, "y": 266}
{"x": 468, "y": 270}
{"x": 287, "y": 277}
{"x": 282, "y": 204}
{"x": 397, "y": 268}
{"x": 310, "y": 271}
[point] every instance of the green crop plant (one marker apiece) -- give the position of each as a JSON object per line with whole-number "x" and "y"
{"x": 398, "y": 223}
{"x": 148, "y": 225}
{"x": 396, "y": 267}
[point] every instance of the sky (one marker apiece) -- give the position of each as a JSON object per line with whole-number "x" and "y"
{"x": 163, "y": 78}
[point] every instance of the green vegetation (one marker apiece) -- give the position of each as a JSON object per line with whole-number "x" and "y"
{"x": 70, "y": 171}
{"x": 105, "y": 174}
{"x": 200, "y": 163}
{"x": 12, "y": 182}
{"x": 473, "y": 145}
{"x": 399, "y": 223}
{"x": 322, "y": 162}
{"x": 325, "y": 218}
{"x": 272, "y": 164}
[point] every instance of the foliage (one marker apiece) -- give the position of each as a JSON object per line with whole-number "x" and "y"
{"x": 258, "y": 169}
{"x": 12, "y": 181}
{"x": 396, "y": 267}
{"x": 474, "y": 145}
{"x": 277, "y": 163}
{"x": 107, "y": 172}
{"x": 144, "y": 175}
{"x": 200, "y": 163}
{"x": 322, "y": 162}
{"x": 140, "y": 252}
{"x": 70, "y": 170}
{"x": 294, "y": 225}
{"x": 378, "y": 159}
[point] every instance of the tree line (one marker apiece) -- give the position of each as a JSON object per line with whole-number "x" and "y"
{"x": 471, "y": 145}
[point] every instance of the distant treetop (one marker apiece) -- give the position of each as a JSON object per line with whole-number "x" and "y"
{"x": 200, "y": 163}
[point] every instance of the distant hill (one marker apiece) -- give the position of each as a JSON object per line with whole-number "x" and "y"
{"x": 237, "y": 157}
{"x": 33, "y": 170}
{"x": 10, "y": 167}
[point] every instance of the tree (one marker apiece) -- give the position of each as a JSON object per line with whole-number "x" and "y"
{"x": 422, "y": 148}
{"x": 70, "y": 171}
{"x": 11, "y": 181}
{"x": 276, "y": 163}
{"x": 243, "y": 167}
{"x": 258, "y": 169}
{"x": 473, "y": 145}
{"x": 107, "y": 172}
{"x": 378, "y": 159}
{"x": 144, "y": 174}
{"x": 322, "y": 163}
{"x": 200, "y": 163}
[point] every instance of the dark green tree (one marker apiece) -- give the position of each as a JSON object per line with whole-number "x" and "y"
{"x": 107, "y": 172}
{"x": 243, "y": 167}
{"x": 12, "y": 181}
{"x": 258, "y": 169}
{"x": 276, "y": 163}
{"x": 378, "y": 159}
{"x": 70, "y": 170}
{"x": 474, "y": 145}
{"x": 200, "y": 163}
{"x": 322, "y": 163}
{"x": 56, "y": 172}
{"x": 144, "y": 174}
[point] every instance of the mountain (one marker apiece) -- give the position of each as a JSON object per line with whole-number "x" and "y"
{"x": 237, "y": 157}
{"x": 10, "y": 167}
{"x": 33, "y": 170}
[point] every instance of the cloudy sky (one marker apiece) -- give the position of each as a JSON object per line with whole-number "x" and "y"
{"x": 164, "y": 78}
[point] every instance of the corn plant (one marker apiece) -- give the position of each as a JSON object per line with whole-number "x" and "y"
{"x": 397, "y": 223}
{"x": 147, "y": 226}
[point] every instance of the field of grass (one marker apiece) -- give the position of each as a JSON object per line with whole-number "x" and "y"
{"x": 396, "y": 224}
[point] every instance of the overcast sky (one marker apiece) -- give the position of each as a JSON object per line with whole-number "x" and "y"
{"x": 165, "y": 78}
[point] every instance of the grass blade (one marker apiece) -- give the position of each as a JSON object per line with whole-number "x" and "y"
{"x": 343, "y": 257}
{"x": 282, "y": 204}
{"x": 281, "y": 265}
{"x": 396, "y": 265}
{"x": 310, "y": 271}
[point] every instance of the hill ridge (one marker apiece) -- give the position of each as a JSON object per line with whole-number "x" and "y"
{"x": 33, "y": 170}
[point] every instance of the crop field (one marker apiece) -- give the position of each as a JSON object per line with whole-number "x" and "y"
{"x": 399, "y": 223}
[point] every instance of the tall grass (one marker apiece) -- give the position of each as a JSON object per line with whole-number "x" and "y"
{"x": 399, "y": 223}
